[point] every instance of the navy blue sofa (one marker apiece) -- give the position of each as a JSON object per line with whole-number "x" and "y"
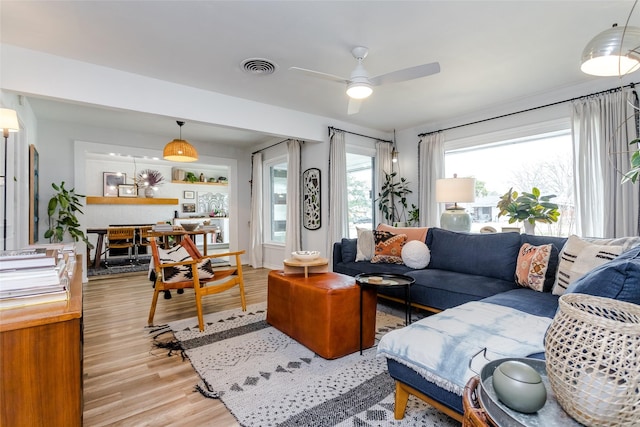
{"x": 471, "y": 267}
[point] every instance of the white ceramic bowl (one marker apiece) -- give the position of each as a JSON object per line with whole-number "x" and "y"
{"x": 189, "y": 226}
{"x": 305, "y": 255}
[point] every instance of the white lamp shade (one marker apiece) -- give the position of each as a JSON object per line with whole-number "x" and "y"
{"x": 613, "y": 52}
{"x": 9, "y": 120}
{"x": 456, "y": 190}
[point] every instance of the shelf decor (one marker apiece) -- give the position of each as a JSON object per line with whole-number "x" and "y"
{"x": 311, "y": 199}
{"x": 592, "y": 356}
{"x": 110, "y": 182}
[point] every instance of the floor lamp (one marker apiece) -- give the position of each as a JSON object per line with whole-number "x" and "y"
{"x": 8, "y": 123}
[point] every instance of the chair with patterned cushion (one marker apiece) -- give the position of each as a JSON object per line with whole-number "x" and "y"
{"x": 183, "y": 267}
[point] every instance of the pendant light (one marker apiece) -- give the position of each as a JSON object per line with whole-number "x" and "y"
{"x": 613, "y": 52}
{"x": 179, "y": 150}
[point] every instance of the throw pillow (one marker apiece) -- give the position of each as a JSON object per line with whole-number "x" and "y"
{"x": 532, "y": 265}
{"x": 413, "y": 233}
{"x": 182, "y": 273}
{"x": 577, "y": 258}
{"x": 388, "y": 247}
{"x": 416, "y": 254}
{"x": 366, "y": 244}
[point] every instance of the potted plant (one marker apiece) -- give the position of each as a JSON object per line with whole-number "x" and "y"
{"x": 528, "y": 208}
{"x": 61, "y": 210}
{"x": 149, "y": 179}
{"x": 413, "y": 219}
{"x": 392, "y": 198}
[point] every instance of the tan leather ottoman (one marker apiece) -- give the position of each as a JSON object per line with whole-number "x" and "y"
{"x": 322, "y": 311}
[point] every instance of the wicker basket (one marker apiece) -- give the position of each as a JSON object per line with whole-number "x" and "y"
{"x": 593, "y": 359}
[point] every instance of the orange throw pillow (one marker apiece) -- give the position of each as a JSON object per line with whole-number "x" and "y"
{"x": 413, "y": 233}
{"x": 388, "y": 247}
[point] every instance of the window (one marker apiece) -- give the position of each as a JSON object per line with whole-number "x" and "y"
{"x": 359, "y": 192}
{"x": 276, "y": 197}
{"x": 544, "y": 161}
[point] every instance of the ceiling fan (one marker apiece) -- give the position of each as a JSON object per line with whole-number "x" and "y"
{"x": 359, "y": 84}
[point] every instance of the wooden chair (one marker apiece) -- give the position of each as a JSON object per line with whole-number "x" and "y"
{"x": 144, "y": 238}
{"x": 119, "y": 238}
{"x": 189, "y": 273}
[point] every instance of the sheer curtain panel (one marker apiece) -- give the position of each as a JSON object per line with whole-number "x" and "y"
{"x": 430, "y": 168}
{"x": 256, "y": 229}
{"x": 337, "y": 191}
{"x": 384, "y": 165}
{"x": 292, "y": 240}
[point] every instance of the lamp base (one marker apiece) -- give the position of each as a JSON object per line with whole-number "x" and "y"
{"x": 456, "y": 220}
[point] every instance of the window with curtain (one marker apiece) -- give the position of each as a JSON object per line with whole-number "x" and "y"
{"x": 360, "y": 169}
{"x": 275, "y": 184}
{"x": 543, "y": 160}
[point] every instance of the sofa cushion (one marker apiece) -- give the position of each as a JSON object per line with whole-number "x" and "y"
{"x": 527, "y": 300}
{"x": 388, "y": 247}
{"x": 413, "y": 233}
{"x": 489, "y": 255}
{"x": 578, "y": 257}
{"x": 366, "y": 244}
{"x": 349, "y": 250}
{"x": 532, "y": 265}
{"x": 618, "y": 279}
{"x": 557, "y": 243}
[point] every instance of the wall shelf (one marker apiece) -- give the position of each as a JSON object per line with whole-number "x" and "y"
{"x": 200, "y": 183}
{"x": 98, "y": 200}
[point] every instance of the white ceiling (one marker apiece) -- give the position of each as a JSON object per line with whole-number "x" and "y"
{"x": 491, "y": 52}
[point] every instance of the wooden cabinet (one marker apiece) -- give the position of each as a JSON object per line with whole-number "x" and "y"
{"x": 41, "y": 362}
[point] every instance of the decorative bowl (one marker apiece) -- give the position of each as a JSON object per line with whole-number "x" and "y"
{"x": 305, "y": 255}
{"x": 189, "y": 226}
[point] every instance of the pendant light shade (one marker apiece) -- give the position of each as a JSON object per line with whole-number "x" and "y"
{"x": 614, "y": 52}
{"x": 179, "y": 150}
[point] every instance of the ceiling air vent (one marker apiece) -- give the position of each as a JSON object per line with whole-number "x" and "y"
{"x": 258, "y": 66}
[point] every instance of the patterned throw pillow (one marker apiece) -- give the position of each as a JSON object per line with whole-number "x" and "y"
{"x": 578, "y": 257}
{"x": 388, "y": 247}
{"x": 532, "y": 265}
{"x": 182, "y": 273}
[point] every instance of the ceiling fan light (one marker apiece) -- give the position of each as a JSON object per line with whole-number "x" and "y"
{"x": 359, "y": 90}
{"x": 613, "y": 52}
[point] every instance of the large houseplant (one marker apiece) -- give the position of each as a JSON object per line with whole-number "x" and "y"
{"x": 61, "y": 210}
{"x": 529, "y": 208}
{"x": 392, "y": 198}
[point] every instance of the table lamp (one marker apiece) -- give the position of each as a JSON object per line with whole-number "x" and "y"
{"x": 455, "y": 190}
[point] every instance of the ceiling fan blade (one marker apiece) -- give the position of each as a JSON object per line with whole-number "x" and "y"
{"x": 406, "y": 74}
{"x": 354, "y": 106}
{"x": 319, "y": 74}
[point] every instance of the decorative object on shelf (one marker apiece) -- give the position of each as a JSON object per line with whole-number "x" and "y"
{"x": 519, "y": 386}
{"x": 217, "y": 204}
{"x": 188, "y": 207}
{"x": 528, "y": 208}
{"x": 8, "y": 124}
{"x": 61, "y": 210}
{"x": 126, "y": 190}
{"x": 149, "y": 179}
{"x": 202, "y": 179}
{"x": 189, "y": 195}
{"x": 177, "y": 174}
{"x": 592, "y": 358}
{"x": 311, "y": 199}
{"x": 455, "y": 190}
{"x": 212, "y": 180}
{"x": 305, "y": 255}
{"x": 191, "y": 177}
{"x": 179, "y": 150}
{"x": 222, "y": 179}
{"x": 110, "y": 182}
{"x": 392, "y": 194}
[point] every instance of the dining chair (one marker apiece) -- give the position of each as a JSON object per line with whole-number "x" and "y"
{"x": 144, "y": 239}
{"x": 119, "y": 238}
{"x": 183, "y": 267}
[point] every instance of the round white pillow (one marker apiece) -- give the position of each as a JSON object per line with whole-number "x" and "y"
{"x": 416, "y": 254}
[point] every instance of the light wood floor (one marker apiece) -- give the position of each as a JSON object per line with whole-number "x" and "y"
{"x": 127, "y": 382}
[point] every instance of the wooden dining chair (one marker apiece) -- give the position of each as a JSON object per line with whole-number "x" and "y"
{"x": 119, "y": 238}
{"x": 144, "y": 239}
{"x": 183, "y": 267}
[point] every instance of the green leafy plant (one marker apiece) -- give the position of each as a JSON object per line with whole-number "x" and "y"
{"x": 413, "y": 216}
{"x": 634, "y": 172}
{"x": 531, "y": 207}
{"x": 191, "y": 177}
{"x": 392, "y": 198}
{"x": 61, "y": 210}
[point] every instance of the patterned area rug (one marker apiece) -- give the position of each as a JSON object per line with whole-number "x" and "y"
{"x": 266, "y": 378}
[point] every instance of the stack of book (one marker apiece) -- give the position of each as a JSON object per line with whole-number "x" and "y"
{"x": 33, "y": 276}
{"x": 163, "y": 227}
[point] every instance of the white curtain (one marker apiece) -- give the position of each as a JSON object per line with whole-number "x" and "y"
{"x": 430, "y": 168}
{"x": 384, "y": 165}
{"x": 602, "y": 126}
{"x": 337, "y": 191}
{"x": 256, "y": 211}
{"x": 292, "y": 242}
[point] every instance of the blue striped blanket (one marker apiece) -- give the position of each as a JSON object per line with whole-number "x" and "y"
{"x": 441, "y": 347}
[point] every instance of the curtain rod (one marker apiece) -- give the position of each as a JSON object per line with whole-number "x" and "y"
{"x": 358, "y": 134}
{"x": 272, "y": 145}
{"x": 631, "y": 85}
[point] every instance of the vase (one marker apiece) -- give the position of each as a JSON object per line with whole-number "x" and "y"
{"x": 529, "y": 228}
{"x": 148, "y": 192}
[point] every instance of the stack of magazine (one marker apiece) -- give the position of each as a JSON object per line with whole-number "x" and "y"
{"x": 162, "y": 227}
{"x": 34, "y": 275}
